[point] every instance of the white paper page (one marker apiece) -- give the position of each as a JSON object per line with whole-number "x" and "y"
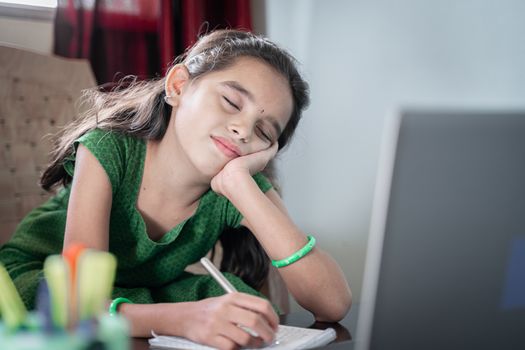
{"x": 288, "y": 338}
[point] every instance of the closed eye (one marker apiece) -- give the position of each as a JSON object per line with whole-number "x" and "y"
{"x": 265, "y": 134}
{"x": 231, "y": 103}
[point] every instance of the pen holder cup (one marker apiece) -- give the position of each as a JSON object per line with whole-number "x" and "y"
{"x": 111, "y": 332}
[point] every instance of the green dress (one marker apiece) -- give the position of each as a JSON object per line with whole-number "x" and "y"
{"x": 148, "y": 271}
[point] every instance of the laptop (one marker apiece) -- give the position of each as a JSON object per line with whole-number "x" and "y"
{"x": 445, "y": 266}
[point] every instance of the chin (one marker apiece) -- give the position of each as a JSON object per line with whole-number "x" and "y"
{"x": 209, "y": 171}
{"x": 207, "y": 164}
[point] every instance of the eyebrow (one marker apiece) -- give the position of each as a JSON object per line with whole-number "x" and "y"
{"x": 241, "y": 89}
{"x": 236, "y": 86}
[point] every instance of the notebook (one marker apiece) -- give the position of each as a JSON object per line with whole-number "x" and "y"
{"x": 287, "y": 338}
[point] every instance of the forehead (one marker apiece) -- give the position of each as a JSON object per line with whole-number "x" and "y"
{"x": 270, "y": 89}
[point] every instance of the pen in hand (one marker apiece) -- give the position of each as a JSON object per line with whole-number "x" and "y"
{"x": 218, "y": 276}
{"x": 228, "y": 288}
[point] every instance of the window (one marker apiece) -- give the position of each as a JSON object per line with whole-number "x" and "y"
{"x": 29, "y": 9}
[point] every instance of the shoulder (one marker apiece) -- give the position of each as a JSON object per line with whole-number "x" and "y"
{"x": 101, "y": 139}
{"x": 113, "y": 150}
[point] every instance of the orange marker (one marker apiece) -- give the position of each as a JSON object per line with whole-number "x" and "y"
{"x": 71, "y": 255}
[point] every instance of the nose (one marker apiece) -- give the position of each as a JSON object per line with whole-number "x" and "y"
{"x": 240, "y": 130}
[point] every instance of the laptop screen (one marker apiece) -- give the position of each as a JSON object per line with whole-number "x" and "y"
{"x": 448, "y": 260}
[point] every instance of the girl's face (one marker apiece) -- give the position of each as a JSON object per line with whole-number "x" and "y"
{"x": 230, "y": 113}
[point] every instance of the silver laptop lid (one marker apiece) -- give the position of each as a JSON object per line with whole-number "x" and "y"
{"x": 445, "y": 265}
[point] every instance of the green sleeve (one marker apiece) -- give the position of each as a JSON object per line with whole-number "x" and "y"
{"x": 192, "y": 287}
{"x": 110, "y": 150}
{"x": 233, "y": 216}
{"x": 262, "y": 181}
{"x": 26, "y": 272}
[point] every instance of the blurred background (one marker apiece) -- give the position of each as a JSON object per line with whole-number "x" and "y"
{"x": 364, "y": 60}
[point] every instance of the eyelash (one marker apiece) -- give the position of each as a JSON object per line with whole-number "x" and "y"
{"x": 264, "y": 134}
{"x": 231, "y": 103}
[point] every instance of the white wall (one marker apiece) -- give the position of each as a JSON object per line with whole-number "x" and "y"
{"x": 36, "y": 35}
{"x": 364, "y": 58}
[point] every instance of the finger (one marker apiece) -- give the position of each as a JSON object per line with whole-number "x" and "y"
{"x": 256, "y": 343}
{"x": 275, "y": 148}
{"x": 271, "y": 151}
{"x": 260, "y": 305}
{"x": 238, "y": 335}
{"x": 259, "y": 160}
{"x": 222, "y": 342}
{"x": 250, "y": 322}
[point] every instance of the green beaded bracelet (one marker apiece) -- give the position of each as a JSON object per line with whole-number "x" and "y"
{"x": 115, "y": 303}
{"x": 297, "y": 255}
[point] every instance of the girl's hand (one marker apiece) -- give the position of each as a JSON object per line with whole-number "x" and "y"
{"x": 216, "y": 321}
{"x": 249, "y": 164}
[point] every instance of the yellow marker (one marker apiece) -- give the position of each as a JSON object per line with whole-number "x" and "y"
{"x": 13, "y": 310}
{"x": 57, "y": 274}
{"x": 95, "y": 276}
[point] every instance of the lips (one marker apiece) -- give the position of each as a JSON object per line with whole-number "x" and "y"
{"x": 226, "y": 147}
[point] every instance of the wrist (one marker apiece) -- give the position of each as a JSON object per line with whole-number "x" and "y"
{"x": 234, "y": 182}
{"x": 182, "y": 325}
{"x": 144, "y": 318}
{"x": 172, "y": 318}
{"x": 167, "y": 319}
{"x": 115, "y": 303}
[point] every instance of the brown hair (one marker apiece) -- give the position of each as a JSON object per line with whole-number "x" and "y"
{"x": 137, "y": 108}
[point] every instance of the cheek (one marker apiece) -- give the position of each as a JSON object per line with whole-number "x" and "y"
{"x": 195, "y": 114}
{"x": 259, "y": 146}
{"x": 186, "y": 120}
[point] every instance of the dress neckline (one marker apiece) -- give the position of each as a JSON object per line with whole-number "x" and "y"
{"x": 172, "y": 233}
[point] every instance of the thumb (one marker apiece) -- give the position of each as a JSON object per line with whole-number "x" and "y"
{"x": 272, "y": 151}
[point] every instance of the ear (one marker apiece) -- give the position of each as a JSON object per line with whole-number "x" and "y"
{"x": 176, "y": 78}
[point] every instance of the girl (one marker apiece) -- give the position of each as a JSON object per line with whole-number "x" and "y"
{"x": 156, "y": 172}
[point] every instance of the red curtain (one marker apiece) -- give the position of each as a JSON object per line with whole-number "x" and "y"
{"x": 139, "y": 37}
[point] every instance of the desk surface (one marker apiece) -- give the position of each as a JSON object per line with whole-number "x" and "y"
{"x": 303, "y": 318}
